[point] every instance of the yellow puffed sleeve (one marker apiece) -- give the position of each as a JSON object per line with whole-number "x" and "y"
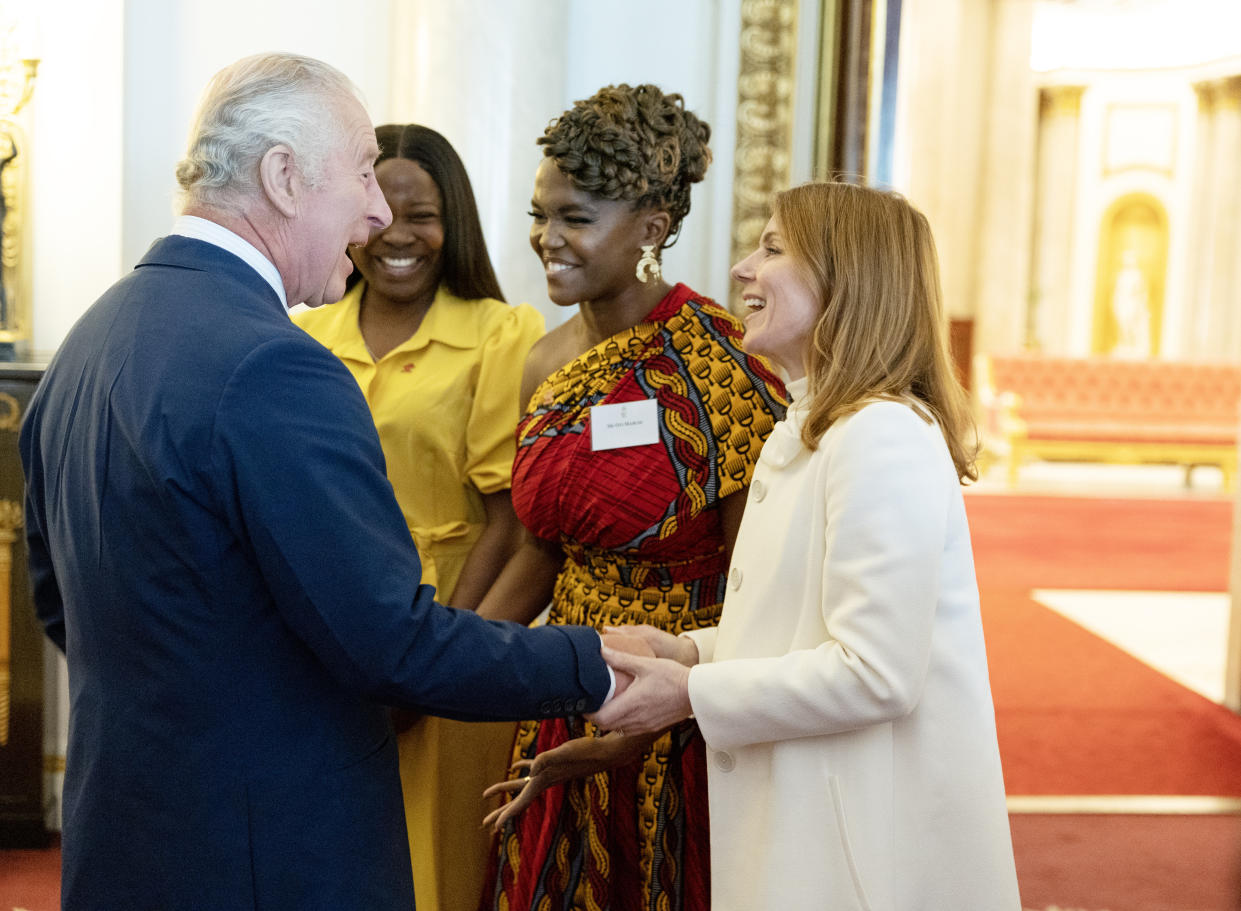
{"x": 492, "y": 425}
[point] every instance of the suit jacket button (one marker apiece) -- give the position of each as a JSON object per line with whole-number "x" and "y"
{"x": 558, "y": 707}
{"x": 545, "y": 707}
{"x": 580, "y": 706}
{"x": 724, "y": 761}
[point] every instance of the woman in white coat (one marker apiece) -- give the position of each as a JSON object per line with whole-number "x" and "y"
{"x": 844, "y": 696}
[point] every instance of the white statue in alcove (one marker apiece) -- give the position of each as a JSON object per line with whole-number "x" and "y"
{"x": 1131, "y": 309}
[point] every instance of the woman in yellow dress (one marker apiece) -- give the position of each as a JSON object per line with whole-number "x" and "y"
{"x": 439, "y": 355}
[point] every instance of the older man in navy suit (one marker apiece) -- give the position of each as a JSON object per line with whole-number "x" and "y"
{"x": 216, "y": 548}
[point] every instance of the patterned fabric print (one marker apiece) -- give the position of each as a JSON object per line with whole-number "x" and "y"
{"x": 738, "y": 415}
{"x": 643, "y": 544}
{"x": 716, "y": 406}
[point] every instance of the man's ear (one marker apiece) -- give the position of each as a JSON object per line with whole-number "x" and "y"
{"x": 655, "y": 227}
{"x": 280, "y": 180}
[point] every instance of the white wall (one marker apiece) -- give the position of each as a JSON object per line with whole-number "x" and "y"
{"x": 76, "y": 161}
{"x": 690, "y": 47}
{"x": 173, "y": 47}
{"x": 120, "y": 79}
{"x": 117, "y": 86}
{"x": 490, "y": 76}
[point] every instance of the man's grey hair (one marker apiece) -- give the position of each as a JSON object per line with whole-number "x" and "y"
{"x": 248, "y": 107}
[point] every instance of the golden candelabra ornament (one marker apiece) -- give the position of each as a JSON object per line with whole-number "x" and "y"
{"x": 16, "y": 85}
{"x": 17, "y": 79}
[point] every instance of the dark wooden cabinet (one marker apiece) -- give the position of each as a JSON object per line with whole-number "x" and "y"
{"x": 22, "y": 803}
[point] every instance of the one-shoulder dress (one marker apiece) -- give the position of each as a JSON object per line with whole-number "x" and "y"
{"x": 643, "y": 543}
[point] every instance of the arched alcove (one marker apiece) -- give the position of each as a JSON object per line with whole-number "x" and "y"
{"x": 1130, "y": 277}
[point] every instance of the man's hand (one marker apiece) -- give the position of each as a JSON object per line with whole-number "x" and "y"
{"x": 657, "y": 698}
{"x": 576, "y": 758}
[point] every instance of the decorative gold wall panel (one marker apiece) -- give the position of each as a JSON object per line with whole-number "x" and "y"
{"x": 22, "y": 803}
{"x": 10, "y": 525}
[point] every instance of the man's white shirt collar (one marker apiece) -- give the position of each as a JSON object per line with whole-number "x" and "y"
{"x": 212, "y": 233}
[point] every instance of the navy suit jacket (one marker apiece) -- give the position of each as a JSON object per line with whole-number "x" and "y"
{"x": 215, "y": 545}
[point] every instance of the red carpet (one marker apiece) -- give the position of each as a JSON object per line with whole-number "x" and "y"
{"x": 30, "y": 880}
{"x": 1129, "y": 863}
{"x": 1083, "y": 542}
{"x": 1076, "y": 715}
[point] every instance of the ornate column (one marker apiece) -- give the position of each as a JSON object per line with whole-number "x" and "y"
{"x": 1232, "y": 666}
{"x": 1003, "y": 228}
{"x": 764, "y": 117}
{"x": 1047, "y": 315}
{"x": 1197, "y": 322}
{"x": 1215, "y": 270}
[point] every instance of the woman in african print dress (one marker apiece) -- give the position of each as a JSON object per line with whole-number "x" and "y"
{"x": 643, "y": 422}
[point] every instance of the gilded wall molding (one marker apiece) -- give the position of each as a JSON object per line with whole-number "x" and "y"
{"x": 10, "y": 413}
{"x": 764, "y": 119}
{"x": 10, "y": 524}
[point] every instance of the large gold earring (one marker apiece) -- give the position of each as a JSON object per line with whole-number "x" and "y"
{"x": 648, "y": 265}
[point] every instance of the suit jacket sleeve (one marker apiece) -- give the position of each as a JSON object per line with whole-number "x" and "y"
{"x": 48, "y": 604}
{"x": 886, "y": 488}
{"x": 297, "y": 459}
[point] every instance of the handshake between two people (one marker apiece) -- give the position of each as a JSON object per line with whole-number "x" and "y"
{"x": 652, "y": 694}
{"x": 652, "y": 679}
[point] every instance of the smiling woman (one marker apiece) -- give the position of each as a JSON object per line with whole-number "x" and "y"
{"x": 643, "y": 422}
{"x": 782, "y": 305}
{"x": 427, "y": 335}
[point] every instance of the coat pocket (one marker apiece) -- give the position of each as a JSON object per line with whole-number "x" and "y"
{"x": 846, "y": 847}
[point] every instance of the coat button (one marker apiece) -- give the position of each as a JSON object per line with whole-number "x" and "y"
{"x": 759, "y": 490}
{"x": 579, "y": 706}
{"x": 724, "y": 761}
{"x": 734, "y": 578}
{"x": 545, "y": 707}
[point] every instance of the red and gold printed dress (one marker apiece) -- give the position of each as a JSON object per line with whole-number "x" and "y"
{"x": 643, "y": 544}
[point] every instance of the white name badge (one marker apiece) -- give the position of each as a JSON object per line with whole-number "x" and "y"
{"x": 624, "y": 424}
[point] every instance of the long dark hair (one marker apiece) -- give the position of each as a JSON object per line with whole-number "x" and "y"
{"x": 468, "y": 272}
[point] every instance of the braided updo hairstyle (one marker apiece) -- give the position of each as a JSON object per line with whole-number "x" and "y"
{"x": 633, "y": 143}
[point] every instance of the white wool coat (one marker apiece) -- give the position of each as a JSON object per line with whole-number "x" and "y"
{"x": 844, "y": 698}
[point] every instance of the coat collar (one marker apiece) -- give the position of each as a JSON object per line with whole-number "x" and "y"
{"x": 785, "y": 442}
{"x": 182, "y": 252}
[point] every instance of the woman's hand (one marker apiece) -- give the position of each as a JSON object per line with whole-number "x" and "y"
{"x": 633, "y": 645}
{"x": 576, "y": 758}
{"x": 661, "y": 643}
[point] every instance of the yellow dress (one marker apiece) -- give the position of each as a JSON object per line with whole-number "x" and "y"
{"x": 445, "y": 403}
